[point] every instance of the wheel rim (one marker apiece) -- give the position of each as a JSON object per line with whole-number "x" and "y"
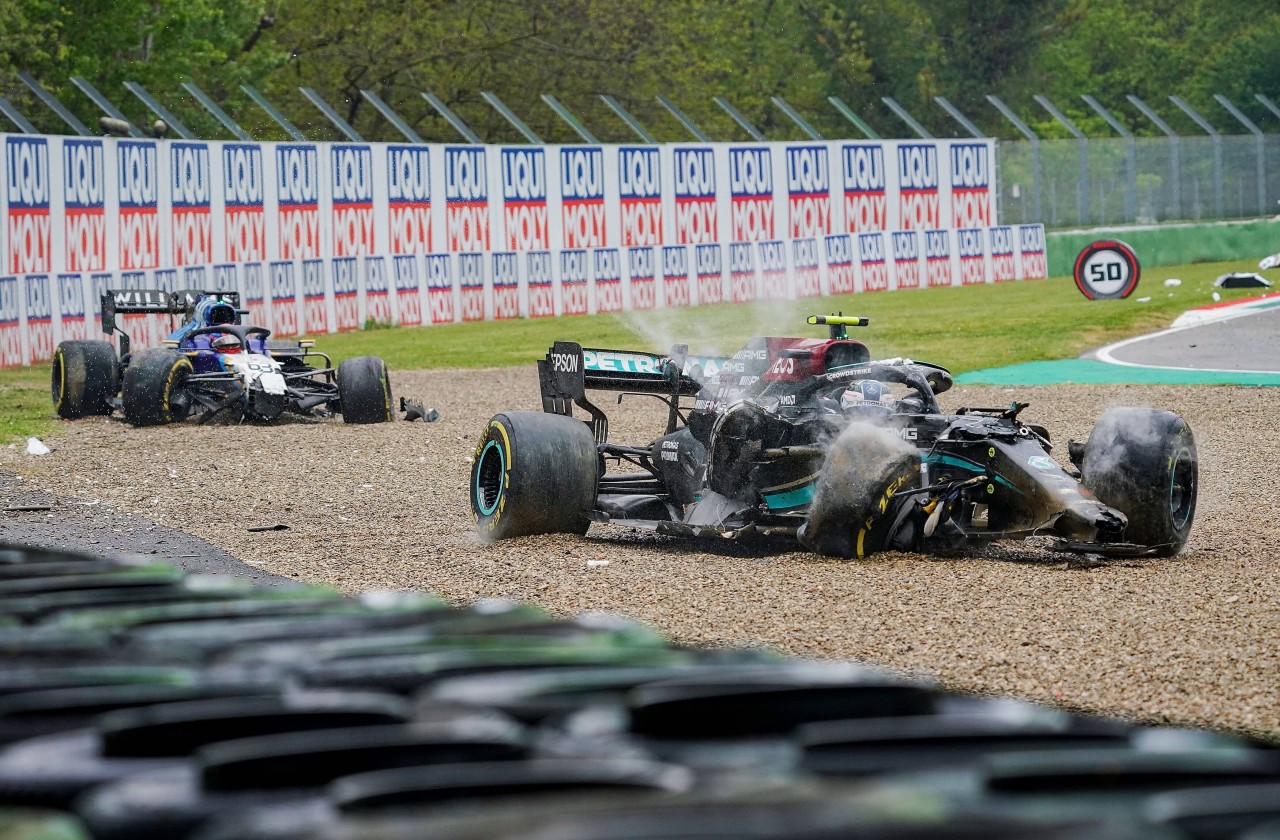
{"x": 58, "y": 384}
{"x": 490, "y": 469}
{"x": 1182, "y": 488}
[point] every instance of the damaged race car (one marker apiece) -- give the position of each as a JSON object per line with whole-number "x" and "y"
{"x": 212, "y": 365}
{"x": 811, "y": 439}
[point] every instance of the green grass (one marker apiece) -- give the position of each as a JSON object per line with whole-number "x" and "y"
{"x": 961, "y": 328}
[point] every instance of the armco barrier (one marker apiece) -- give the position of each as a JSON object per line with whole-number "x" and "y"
{"x": 320, "y": 237}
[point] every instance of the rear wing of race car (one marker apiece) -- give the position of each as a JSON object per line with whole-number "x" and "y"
{"x": 155, "y": 302}
{"x": 569, "y": 369}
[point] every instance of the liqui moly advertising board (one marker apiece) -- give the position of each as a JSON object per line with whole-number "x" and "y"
{"x": 244, "y": 183}
{"x": 28, "y": 238}
{"x": 298, "y": 200}
{"x": 190, "y": 196}
{"x": 808, "y": 191}
{"x": 751, "y": 205}
{"x": 606, "y": 277}
{"x": 774, "y": 276}
{"x": 1032, "y": 262}
{"x": 675, "y": 275}
{"x": 377, "y": 294}
{"x": 697, "y": 220}
{"x": 440, "y": 288}
{"x": 865, "y": 179}
{"x": 524, "y": 198}
{"x": 542, "y": 284}
{"x": 409, "y": 199}
{"x": 11, "y": 354}
{"x": 38, "y": 292}
{"x": 841, "y": 275}
{"x": 973, "y": 256}
{"x": 573, "y": 281}
{"x": 407, "y": 278}
{"x": 582, "y": 196}
{"x": 139, "y": 190}
{"x": 906, "y": 258}
{"x": 284, "y": 297}
{"x": 471, "y": 291}
{"x": 743, "y": 280}
{"x": 73, "y": 314}
{"x": 84, "y": 195}
{"x": 466, "y": 199}
{"x": 871, "y": 262}
{"x": 506, "y": 285}
{"x": 971, "y": 196}
{"x": 806, "y": 259}
{"x": 641, "y": 269}
{"x": 346, "y": 293}
{"x": 708, "y": 265}
{"x": 937, "y": 257}
{"x": 640, "y": 195}
{"x": 918, "y": 202}
{"x": 315, "y": 297}
{"x": 351, "y": 187}
{"x": 1003, "y": 259}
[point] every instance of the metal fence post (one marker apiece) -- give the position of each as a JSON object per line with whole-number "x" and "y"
{"x": 1130, "y": 158}
{"x": 324, "y": 108}
{"x": 681, "y": 118}
{"x": 159, "y": 110}
{"x": 1037, "y": 198}
{"x": 15, "y": 117}
{"x": 1217, "y": 150}
{"x": 565, "y": 114}
{"x": 1175, "y": 152}
{"x": 848, "y": 114}
{"x": 1082, "y": 185}
{"x": 625, "y": 115}
{"x": 959, "y": 116}
{"x": 1261, "y": 142}
{"x": 103, "y": 103}
{"x": 51, "y": 102}
{"x": 510, "y": 116}
{"x": 218, "y": 114}
{"x": 273, "y": 112}
{"x": 390, "y": 115}
{"x": 738, "y": 117}
{"x": 905, "y": 116}
{"x": 451, "y": 118}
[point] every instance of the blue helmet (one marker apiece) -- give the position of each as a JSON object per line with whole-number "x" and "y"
{"x": 211, "y": 312}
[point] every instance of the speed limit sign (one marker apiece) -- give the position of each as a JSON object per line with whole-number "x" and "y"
{"x": 1107, "y": 268}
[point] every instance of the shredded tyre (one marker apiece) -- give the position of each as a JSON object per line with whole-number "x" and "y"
{"x": 84, "y": 378}
{"x": 154, "y": 390}
{"x": 364, "y": 391}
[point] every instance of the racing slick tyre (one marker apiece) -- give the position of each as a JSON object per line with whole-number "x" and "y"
{"x": 852, "y": 513}
{"x": 154, "y": 390}
{"x": 364, "y": 390}
{"x": 1142, "y": 461}
{"x": 85, "y": 376}
{"x": 533, "y": 473}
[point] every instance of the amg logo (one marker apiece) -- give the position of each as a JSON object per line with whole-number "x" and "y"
{"x": 564, "y": 363}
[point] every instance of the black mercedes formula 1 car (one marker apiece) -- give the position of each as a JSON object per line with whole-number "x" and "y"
{"x": 812, "y": 439}
{"x": 212, "y": 365}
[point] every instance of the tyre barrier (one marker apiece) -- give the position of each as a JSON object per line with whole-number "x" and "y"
{"x": 140, "y": 702}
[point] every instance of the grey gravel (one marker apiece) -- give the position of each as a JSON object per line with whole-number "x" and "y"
{"x": 1190, "y": 640}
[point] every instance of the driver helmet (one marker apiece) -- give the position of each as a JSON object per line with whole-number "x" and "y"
{"x": 226, "y": 343}
{"x": 215, "y": 313}
{"x": 868, "y": 394}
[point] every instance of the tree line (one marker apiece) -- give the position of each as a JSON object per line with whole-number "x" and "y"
{"x": 745, "y": 51}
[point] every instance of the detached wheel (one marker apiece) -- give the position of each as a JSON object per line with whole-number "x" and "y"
{"x": 1142, "y": 461}
{"x": 852, "y": 508}
{"x": 364, "y": 390}
{"x": 84, "y": 378}
{"x": 154, "y": 390}
{"x": 533, "y": 473}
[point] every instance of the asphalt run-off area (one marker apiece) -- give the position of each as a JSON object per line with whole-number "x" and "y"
{"x": 1236, "y": 343}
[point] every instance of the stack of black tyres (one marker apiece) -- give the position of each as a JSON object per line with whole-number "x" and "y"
{"x": 137, "y": 701}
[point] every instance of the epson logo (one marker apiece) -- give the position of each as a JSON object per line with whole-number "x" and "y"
{"x": 242, "y": 175}
{"x": 839, "y": 249}
{"x": 750, "y": 172}
{"x": 352, "y": 174}
{"x": 297, "y": 177}
{"x": 906, "y": 245}
{"x": 573, "y": 266}
{"x": 83, "y": 184}
{"x": 1031, "y": 238}
{"x": 937, "y": 244}
{"x": 918, "y": 166}
{"x": 189, "y": 174}
{"x": 863, "y": 168}
{"x": 1001, "y": 240}
{"x": 773, "y": 258}
{"x": 969, "y": 242}
{"x": 969, "y": 167}
{"x": 524, "y": 175}
{"x": 707, "y": 259}
{"x": 408, "y": 175}
{"x": 675, "y": 261}
{"x": 136, "y": 165}
{"x": 741, "y": 258}
{"x": 807, "y": 170}
{"x": 606, "y": 264}
{"x": 805, "y": 253}
{"x": 439, "y": 275}
{"x": 539, "y": 268}
{"x": 465, "y": 179}
{"x": 506, "y": 272}
{"x": 582, "y": 174}
{"x": 871, "y": 247}
{"x": 695, "y": 173}
{"x": 27, "y": 172}
{"x": 471, "y": 269}
{"x": 640, "y": 261}
{"x": 639, "y": 172}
